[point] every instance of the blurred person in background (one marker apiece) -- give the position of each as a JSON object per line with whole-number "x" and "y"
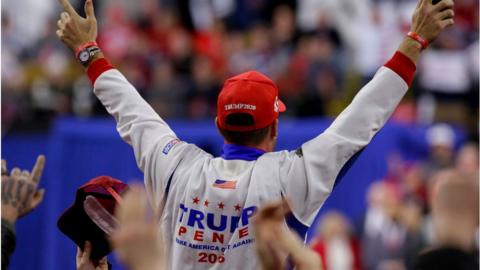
{"x": 203, "y": 89}
{"x": 411, "y": 218}
{"x": 335, "y": 243}
{"x": 321, "y": 94}
{"x": 27, "y": 32}
{"x": 413, "y": 185}
{"x": 444, "y": 75}
{"x": 441, "y": 142}
{"x": 322, "y": 87}
{"x": 455, "y": 219}
{"x": 392, "y": 228}
{"x": 410, "y": 179}
{"x": 284, "y": 35}
{"x": 204, "y": 13}
{"x": 363, "y": 27}
{"x": 466, "y": 168}
{"x": 167, "y": 93}
{"x": 19, "y": 197}
{"x": 383, "y": 236}
{"x": 428, "y": 229}
{"x": 467, "y": 162}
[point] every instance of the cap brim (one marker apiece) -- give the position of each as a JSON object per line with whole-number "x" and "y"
{"x": 281, "y": 106}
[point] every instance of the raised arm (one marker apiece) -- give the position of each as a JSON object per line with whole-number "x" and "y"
{"x": 138, "y": 124}
{"x": 320, "y": 160}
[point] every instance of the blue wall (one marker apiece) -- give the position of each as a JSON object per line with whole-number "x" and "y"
{"x": 78, "y": 150}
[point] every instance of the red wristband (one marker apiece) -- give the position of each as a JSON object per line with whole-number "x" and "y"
{"x": 403, "y": 66}
{"x": 419, "y": 39}
{"x": 97, "y": 67}
{"x": 86, "y": 45}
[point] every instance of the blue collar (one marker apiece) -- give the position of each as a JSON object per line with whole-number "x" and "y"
{"x": 233, "y": 151}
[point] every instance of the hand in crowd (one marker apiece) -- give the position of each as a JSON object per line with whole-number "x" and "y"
{"x": 137, "y": 241}
{"x": 429, "y": 20}
{"x": 19, "y": 190}
{"x": 84, "y": 262}
{"x": 274, "y": 241}
{"x": 75, "y": 30}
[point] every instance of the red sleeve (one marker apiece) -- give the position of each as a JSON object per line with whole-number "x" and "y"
{"x": 357, "y": 254}
{"x": 97, "y": 67}
{"x": 319, "y": 248}
{"x": 403, "y": 66}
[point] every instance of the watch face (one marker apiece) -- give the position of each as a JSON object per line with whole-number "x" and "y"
{"x": 84, "y": 56}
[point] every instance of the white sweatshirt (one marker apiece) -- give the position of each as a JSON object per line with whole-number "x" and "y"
{"x": 209, "y": 201}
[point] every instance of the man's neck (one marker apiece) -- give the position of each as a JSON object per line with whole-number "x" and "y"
{"x": 457, "y": 235}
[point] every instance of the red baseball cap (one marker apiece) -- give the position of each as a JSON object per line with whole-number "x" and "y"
{"x": 91, "y": 215}
{"x": 252, "y": 93}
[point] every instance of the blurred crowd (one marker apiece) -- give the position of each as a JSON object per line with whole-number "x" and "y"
{"x": 398, "y": 224}
{"x": 178, "y": 53}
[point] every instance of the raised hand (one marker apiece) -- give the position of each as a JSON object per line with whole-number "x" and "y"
{"x": 429, "y": 20}
{"x": 84, "y": 262}
{"x": 137, "y": 240}
{"x": 274, "y": 241}
{"x": 19, "y": 190}
{"x": 75, "y": 30}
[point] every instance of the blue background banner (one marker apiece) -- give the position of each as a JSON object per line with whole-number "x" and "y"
{"x": 78, "y": 150}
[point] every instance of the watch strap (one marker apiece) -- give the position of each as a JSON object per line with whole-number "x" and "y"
{"x": 93, "y": 50}
{"x": 83, "y": 46}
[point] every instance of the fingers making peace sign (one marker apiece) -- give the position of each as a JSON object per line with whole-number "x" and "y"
{"x": 73, "y": 29}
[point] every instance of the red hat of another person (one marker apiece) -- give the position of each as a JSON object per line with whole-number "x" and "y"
{"x": 250, "y": 93}
{"x": 91, "y": 217}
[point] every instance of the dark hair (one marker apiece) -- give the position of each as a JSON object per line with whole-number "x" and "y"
{"x": 252, "y": 137}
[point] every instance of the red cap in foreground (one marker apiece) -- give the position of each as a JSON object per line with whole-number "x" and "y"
{"x": 91, "y": 215}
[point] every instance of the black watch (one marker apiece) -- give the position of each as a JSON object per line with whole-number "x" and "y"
{"x": 86, "y": 55}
